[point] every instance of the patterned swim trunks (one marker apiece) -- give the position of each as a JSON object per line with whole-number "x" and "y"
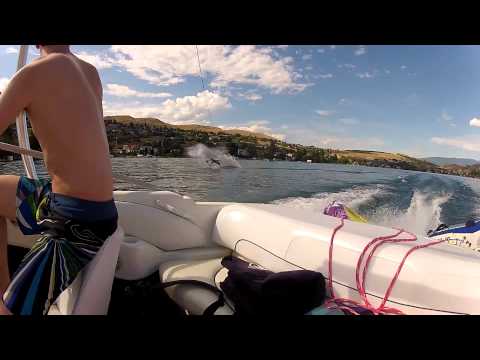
{"x": 72, "y": 232}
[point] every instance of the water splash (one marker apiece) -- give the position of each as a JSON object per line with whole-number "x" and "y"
{"x": 352, "y": 198}
{"x": 422, "y": 214}
{"x": 214, "y": 158}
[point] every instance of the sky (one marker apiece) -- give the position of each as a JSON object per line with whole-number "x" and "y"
{"x": 417, "y": 100}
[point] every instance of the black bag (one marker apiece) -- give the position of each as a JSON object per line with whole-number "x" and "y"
{"x": 256, "y": 291}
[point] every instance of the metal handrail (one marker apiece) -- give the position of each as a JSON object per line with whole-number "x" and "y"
{"x": 21, "y": 122}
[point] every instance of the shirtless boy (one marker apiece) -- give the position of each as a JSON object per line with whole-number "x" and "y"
{"x": 74, "y": 212}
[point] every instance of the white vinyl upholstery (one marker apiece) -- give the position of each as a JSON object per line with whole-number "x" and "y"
{"x": 193, "y": 298}
{"x": 164, "y": 219}
{"x": 90, "y": 293}
{"x": 139, "y": 259}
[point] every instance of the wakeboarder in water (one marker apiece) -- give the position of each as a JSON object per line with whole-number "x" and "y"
{"x": 210, "y": 161}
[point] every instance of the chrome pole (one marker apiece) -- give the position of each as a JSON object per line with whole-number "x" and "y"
{"x": 21, "y": 122}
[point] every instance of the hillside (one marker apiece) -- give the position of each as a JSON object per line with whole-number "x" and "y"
{"x": 124, "y": 119}
{"x": 441, "y": 161}
{"x": 370, "y": 155}
{"x": 393, "y": 159}
{"x": 129, "y": 136}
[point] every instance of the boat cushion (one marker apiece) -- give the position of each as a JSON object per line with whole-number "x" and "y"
{"x": 138, "y": 259}
{"x": 195, "y": 299}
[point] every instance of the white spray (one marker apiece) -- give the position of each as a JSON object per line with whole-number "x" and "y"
{"x": 214, "y": 158}
{"x": 423, "y": 213}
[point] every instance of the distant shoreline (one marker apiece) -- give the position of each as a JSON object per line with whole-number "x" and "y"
{"x": 152, "y": 138}
{"x": 251, "y": 159}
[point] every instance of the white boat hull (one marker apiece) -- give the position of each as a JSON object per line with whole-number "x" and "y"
{"x": 160, "y": 226}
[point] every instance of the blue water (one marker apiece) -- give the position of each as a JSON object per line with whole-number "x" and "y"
{"x": 414, "y": 200}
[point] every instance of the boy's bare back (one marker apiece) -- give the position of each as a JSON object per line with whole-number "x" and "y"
{"x": 63, "y": 97}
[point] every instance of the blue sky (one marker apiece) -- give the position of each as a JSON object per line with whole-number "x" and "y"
{"x": 417, "y": 100}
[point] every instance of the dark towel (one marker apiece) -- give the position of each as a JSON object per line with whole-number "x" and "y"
{"x": 256, "y": 291}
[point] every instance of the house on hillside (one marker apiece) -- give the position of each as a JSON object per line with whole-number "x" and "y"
{"x": 146, "y": 149}
{"x": 110, "y": 126}
{"x": 129, "y": 148}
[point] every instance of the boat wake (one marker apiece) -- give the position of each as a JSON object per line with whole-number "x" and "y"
{"x": 423, "y": 213}
{"x": 352, "y": 198}
{"x": 214, "y": 158}
{"x": 411, "y": 203}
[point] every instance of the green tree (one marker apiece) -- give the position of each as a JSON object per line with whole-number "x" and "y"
{"x": 270, "y": 150}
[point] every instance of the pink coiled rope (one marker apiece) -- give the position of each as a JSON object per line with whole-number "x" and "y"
{"x": 356, "y": 308}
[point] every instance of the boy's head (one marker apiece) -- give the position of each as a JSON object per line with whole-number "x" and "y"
{"x": 46, "y": 49}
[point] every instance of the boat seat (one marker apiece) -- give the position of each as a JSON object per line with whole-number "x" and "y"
{"x": 90, "y": 292}
{"x": 195, "y": 299}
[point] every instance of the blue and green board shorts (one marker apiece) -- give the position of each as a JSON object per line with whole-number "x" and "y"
{"x": 72, "y": 232}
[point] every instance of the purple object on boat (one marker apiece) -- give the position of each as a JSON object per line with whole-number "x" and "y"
{"x": 336, "y": 209}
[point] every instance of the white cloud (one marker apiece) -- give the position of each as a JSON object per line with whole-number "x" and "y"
{"x": 135, "y": 109}
{"x": 100, "y": 62}
{"x": 3, "y": 83}
{"x": 446, "y": 119}
{"x": 324, "y": 112}
{"x": 475, "y": 122}
{"x": 322, "y": 137}
{"x": 387, "y": 71}
{"x": 355, "y": 143}
{"x": 445, "y": 116}
{"x": 307, "y": 57}
{"x": 125, "y": 91}
{"x": 283, "y": 47}
{"x": 171, "y": 64}
{"x": 468, "y": 143}
{"x": 362, "y": 50}
{"x": 251, "y": 96}
{"x": 195, "y": 109}
{"x": 349, "y": 121}
{"x": 403, "y": 67}
{"x": 324, "y": 76}
{"x": 365, "y": 75}
{"x": 258, "y": 127}
{"x": 333, "y": 47}
{"x": 11, "y": 50}
{"x": 321, "y": 51}
{"x": 309, "y": 67}
{"x": 347, "y": 66}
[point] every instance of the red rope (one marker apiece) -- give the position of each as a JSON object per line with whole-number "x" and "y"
{"x": 360, "y": 272}
{"x": 351, "y": 306}
{"x": 330, "y": 256}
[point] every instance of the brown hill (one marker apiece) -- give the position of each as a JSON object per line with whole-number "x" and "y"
{"x": 456, "y": 167}
{"x": 193, "y": 127}
{"x": 370, "y": 155}
{"x": 125, "y": 119}
{"x": 249, "y": 133}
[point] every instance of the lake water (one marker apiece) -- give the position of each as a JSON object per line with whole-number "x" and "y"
{"x": 413, "y": 200}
